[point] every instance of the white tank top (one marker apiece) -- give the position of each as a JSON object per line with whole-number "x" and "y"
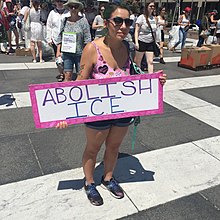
{"x": 184, "y": 22}
{"x": 160, "y": 21}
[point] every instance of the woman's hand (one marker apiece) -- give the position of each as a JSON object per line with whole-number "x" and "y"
{"x": 62, "y": 124}
{"x": 163, "y": 79}
{"x": 137, "y": 46}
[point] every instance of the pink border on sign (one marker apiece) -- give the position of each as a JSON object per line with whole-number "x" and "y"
{"x": 49, "y": 124}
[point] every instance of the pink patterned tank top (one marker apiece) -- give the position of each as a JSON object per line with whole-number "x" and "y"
{"x": 103, "y": 70}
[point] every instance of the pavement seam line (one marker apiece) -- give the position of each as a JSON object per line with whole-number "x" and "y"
{"x": 131, "y": 201}
{"x": 35, "y": 154}
{"x": 26, "y": 66}
{"x": 206, "y": 151}
{"x": 207, "y": 199}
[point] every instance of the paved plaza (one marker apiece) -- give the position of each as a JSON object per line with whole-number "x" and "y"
{"x": 173, "y": 173}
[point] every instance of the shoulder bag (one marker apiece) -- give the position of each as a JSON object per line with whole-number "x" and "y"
{"x": 155, "y": 46}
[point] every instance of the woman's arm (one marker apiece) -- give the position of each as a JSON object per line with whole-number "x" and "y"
{"x": 137, "y": 28}
{"x": 26, "y": 14}
{"x": 87, "y": 62}
{"x": 212, "y": 19}
{"x": 95, "y": 24}
{"x": 180, "y": 20}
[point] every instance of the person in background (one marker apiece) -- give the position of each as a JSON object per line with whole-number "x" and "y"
{"x": 4, "y": 25}
{"x": 217, "y": 32}
{"x": 79, "y": 28}
{"x": 11, "y": 14}
{"x": 161, "y": 21}
{"x": 204, "y": 26}
{"x": 36, "y": 29}
{"x": 98, "y": 23}
{"x": 90, "y": 14}
{"x": 184, "y": 23}
{"x": 143, "y": 36}
{"x": 133, "y": 17}
{"x": 112, "y": 51}
{"x": 27, "y": 34}
{"x": 55, "y": 18}
{"x": 212, "y": 21}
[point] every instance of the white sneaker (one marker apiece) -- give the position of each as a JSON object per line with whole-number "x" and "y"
{"x": 42, "y": 61}
{"x": 34, "y": 61}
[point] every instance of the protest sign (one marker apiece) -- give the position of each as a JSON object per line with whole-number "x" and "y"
{"x": 97, "y": 99}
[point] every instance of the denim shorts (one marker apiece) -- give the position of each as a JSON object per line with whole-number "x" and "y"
{"x": 69, "y": 60}
{"x": 106, "y": 124}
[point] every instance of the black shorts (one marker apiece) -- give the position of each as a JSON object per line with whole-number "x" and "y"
{"x": 162, "y": 36}
{"x": 106, "y": 124}
{"x": 145, "y": 47}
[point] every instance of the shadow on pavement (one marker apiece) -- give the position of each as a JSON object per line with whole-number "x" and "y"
{"x": 6, "y": 100}
{"x": 128, "y": 170}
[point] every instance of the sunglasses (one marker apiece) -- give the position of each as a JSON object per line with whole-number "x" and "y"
{"x": 73, "y": 6}
{"x": 102, "y": 9}
{"x": 119, "y": 21}
{"x": 151, "y": 6}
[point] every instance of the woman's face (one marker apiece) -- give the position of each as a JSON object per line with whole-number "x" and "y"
{"x": 119, "y": 24}
{"x": 59, "y": 3}
{"x": 102, "y": 9}
{"x": 74, "y": 8}
{"x": 163, "y": 11}
{"x": 150, "y": 8}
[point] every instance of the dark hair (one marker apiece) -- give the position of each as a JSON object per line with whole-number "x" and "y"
{"x": 160, "y": 9}
{"x": 146, "y": 7}
{"x": 110, "y": 8}
{"x": 36, "y": 4}
{"x": 101, "y": 6}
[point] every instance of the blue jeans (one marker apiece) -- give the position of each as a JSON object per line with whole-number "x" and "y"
{"x": 182, "y": 38}
{"x": 200, "y": 42}
{"x": 69, "y": 60}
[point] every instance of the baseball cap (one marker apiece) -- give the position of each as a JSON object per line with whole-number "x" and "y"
{"x": 188, "y": 9}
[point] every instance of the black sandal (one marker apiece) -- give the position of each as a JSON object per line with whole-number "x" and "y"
{"x": 60, "y": 77}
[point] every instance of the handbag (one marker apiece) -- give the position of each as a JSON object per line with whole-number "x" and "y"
{"x": 155, "y": 46}
{"x": 27, "y": 24}
{"x": 205, "y": 33}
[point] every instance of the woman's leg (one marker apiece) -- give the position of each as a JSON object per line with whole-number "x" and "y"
{"x": 15, "y": 31}
{"x": 138, "y": 58}
{"x": 113, "y": 142}
{"x": 77, "y": 65}
{"x": 184, "y": 38}
{"x": 95, "y": 139}
{"x": 150, "y": 57}
{"x": 180, "y": 39}
{"x": 9, "y": 39}
{"x": 33, "y": 50}
{"x": 40, "y": 51}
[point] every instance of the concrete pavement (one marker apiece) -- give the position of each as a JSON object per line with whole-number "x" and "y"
{"x": 173, "y": 172}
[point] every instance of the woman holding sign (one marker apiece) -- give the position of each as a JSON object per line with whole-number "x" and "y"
{"x": 102, "y": 58}
{"x": 74, "y": 34}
